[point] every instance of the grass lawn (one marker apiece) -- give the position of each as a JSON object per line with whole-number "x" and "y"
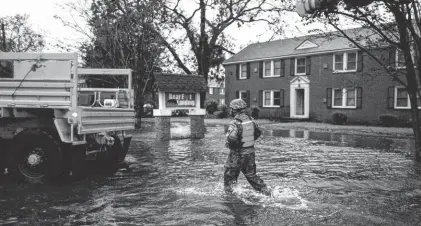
{"x": 312, "y": 126}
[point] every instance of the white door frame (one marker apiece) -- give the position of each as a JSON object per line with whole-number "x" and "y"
{"x": 300, "y": 82}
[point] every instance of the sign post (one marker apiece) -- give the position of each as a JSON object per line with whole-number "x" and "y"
{"x": 179, "y": 92}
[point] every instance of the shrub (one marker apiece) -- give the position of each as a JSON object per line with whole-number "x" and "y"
{"x": 339, "y": 118}
{"x": 179, "y": 113}
{"x": 255, "y": 112}
{"x": 389, "y": 120}
{"x": 361, "y": 122}
{"x": 406, "y": 122}
{"x": 209, "y": 116}
{"x": 211, "y": 106}
{"x": 223, "y": 111}
{"x": 147, "y": 110}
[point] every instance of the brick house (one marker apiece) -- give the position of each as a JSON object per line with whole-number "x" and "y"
{"x": 311, "y": 77}
{"x": 216, "y": 91}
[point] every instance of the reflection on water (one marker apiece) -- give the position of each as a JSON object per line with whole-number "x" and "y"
{"x": 316, "y": 178}
{"x": 348, "y": 140}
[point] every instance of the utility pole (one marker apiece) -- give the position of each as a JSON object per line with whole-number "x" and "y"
{"x": 3, "y": 39}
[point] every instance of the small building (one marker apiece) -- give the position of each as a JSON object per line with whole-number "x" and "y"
{"x": 311, "y": 77}
{"x": 216, "y": 91}
{"x": 178, "y": 92}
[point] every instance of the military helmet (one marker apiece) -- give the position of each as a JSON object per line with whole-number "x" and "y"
{"x": 238, "y": 104}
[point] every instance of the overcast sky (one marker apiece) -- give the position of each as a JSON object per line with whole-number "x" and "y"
{"x": 42, "y": 13}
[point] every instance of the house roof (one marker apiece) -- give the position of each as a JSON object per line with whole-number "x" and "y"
{"x": 326, "y": 42}
{"x": 180, "y": 82}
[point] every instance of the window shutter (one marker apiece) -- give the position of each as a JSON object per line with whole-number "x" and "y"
{"x": 281, "y": 96}
{"x": 237, "y": 72}
{"x": 237, "y": 94}
{"x": 329, "y": 98}
{"x": 282, "y": 67}
{"x": 391, "y": 97}
{"x": 359, "y": 97}
{"x": 261, "y": 69}
{"x": 248, "y": 70}
{"x": 248, "y": 98}
{"x": 308, "y": 65}
{"x": 392, "y": 57}
{"x": 260, "y": 98}
{"x": 360, "y": 62}
{"x": 292, "y": 67}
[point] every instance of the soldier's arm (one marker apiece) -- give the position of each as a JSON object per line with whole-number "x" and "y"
{"x": 232, "y": 136}
{"x": 257, "y": 131}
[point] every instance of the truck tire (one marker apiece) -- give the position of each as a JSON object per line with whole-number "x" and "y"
{"x": 37, "y": 156}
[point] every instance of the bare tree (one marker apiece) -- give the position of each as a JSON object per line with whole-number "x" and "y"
{"x": 204, "y": 27}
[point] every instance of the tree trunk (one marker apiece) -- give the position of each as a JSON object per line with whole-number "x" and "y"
{"x": 204, "y": 50}
{"x": 138, "y": 99}
{"x": 412, "y": 92}
{"x": 3, "y": 32}
{"x": 411, "y": 78}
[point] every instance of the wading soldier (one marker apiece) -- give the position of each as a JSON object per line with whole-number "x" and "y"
{"x": 241, "y": 135}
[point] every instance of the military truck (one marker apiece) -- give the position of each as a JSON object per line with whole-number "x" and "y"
{"x": 51, "y": 121}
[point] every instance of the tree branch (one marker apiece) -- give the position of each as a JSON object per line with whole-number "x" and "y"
{"x": 224, "y": 49}
{"x": 387, "y": 69}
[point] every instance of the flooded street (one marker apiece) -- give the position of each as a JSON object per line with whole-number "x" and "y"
{"x": 318, "y": 178}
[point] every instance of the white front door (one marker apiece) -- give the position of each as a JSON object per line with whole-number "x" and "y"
{"x": 300, "y": 97}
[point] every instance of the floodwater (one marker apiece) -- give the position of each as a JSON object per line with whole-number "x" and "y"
{"x": 317, "y": 179}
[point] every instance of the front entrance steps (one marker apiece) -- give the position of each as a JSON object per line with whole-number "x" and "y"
{"x": 282, "y": 114}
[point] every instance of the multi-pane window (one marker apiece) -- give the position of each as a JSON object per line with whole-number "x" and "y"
{"x": 243, "y": 71}
{"x": 271, "y": 98}
{"x": 276, "y": 98}
{"x": 210, "y": 90}
{"x": 400, "y": 59}
{"x": 402, "y": 98}
{"x": 351, "y": 62}
{"x": 272, "y": 68}
{"x": 339, "y": 62}
{"x": 344, "y": 98}
{"x": 277, "y": 68}
{"x": 337, "y": 97}
{"x": 221, "y": 101}
{"x": 242, "y": 95}
{"x": 268, "y": 69}
{"x": 345, "y": 62}
{"x": 221, "y": 91}
{"x": 350, "y": 97}
{"x": 300, "y": 66}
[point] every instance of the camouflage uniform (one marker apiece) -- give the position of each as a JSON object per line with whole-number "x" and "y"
{"x": 241, "y": 158}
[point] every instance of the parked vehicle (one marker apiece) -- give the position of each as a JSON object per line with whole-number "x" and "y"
{"x": 50, "y": 121}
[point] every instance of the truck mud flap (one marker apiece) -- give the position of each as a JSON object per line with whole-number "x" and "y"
{"x": 125, "y": 149}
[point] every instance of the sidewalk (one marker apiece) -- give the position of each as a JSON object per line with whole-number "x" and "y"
{"x": 311, "y": 126}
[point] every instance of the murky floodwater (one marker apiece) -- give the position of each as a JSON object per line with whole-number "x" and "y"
{"x": 317, "y": 179}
